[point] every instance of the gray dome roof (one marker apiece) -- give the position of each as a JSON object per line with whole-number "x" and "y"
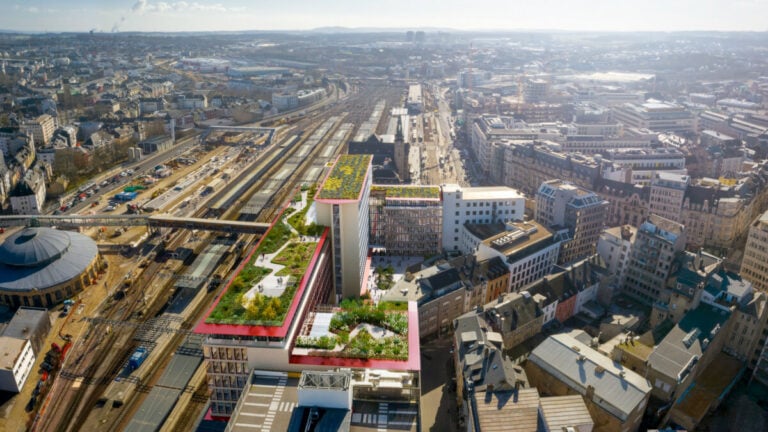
{"x": 33, "y": 247}
{"x": 38, "y": 258}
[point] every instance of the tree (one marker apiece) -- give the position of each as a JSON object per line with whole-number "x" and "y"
{"x": 268, "y": 314}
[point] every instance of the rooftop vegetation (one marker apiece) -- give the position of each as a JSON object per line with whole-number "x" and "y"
{"x": 351, "y": 337}
{"x": 261, "y": 309}
{"x": 298, "y": 220}
{"x": 397, "y": 191}
{"x": 346, "y": 178}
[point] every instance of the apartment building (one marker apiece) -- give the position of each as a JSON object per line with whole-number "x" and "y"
{"x": 754, "y": 265}
{"x": 449, "y": 289}
{"x": 526, "y": 165}
{"x": 41, "y": 128}
{"x": 614, "y": 248}
{"x": 667, "y": 195}
{"x": 477, "y": 205}
{"x": 615, "y": 397}
{"x": 627, "y": 203}
{"x": 657, "y": 243}
{"x": 563, "y": 205}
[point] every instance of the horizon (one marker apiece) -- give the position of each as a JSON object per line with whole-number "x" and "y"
{"x": 601, "y": 16}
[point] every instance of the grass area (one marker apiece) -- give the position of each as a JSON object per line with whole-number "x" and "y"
{"x": 261, "y": 310}
{"x": 230, "y": 309}
{"x": 298, "y": 220}
{"x": 363, "y": 344}
{"x": 399, "y": 191}
{"x": 395, "y": 306}
{"x": 277, "y": 237}
{"x": 295, "y": 257}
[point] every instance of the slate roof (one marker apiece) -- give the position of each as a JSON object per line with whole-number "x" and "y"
{"x": 688, "y": 339}
{"x": 618, "y": 391}
{"x": 43, "y": 257}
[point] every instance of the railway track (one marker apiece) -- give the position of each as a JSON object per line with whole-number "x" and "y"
{"x": 96, "y": 358}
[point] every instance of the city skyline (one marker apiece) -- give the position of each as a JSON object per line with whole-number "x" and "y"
{"x": 242, "y": 15}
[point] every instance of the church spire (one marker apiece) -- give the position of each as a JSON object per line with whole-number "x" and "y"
{"x": 399, "y": 133}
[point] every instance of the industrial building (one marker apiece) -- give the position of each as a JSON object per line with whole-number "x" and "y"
{"x": 41, "y": 267}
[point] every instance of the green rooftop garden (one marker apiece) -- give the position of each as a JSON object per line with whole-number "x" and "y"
{"x": 346, "y": 178}
{"x": 362, "y": 330}
{"x": 397, "y": 191}
{"x": 298, "y": 220}
{"x": 262, "y": 309}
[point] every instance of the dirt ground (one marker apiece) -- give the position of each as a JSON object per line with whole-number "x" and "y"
{"x": 13, "y": 414}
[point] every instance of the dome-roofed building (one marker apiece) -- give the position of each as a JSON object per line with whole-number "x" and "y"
{"x": 42, "y": 266}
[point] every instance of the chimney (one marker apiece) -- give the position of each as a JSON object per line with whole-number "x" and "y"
{"x": 590, "y": 392}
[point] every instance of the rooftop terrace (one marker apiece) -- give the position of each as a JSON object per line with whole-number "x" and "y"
{"x": 267, "y": 287}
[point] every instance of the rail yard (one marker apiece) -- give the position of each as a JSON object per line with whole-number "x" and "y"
{"x": 177, "y": 274}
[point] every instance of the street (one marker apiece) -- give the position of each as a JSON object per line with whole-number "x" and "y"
{"x": 438, "y": 390}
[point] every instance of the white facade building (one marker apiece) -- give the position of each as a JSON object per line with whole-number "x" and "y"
{"x": 614, "y": 248}
{"x": 342, "y": 205}
{"x": 478, "y": 205}
{"x": 16, "y": 361}
{"x": 528, "y": 249}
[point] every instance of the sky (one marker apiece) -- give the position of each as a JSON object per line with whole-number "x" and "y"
{"x": 231, "y": 15}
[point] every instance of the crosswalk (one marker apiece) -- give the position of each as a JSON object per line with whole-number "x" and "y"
{"x": 387, "y": 416}
{"x": 275, "y": 404}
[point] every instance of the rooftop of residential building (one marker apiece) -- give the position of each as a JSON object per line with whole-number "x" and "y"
{"x": 688, "y": 339}
{"x": 618, "y": 390}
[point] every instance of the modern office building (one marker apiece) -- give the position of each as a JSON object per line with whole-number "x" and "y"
{"x": 406, "y": 220}
{"x": 657, "y": 243}
{"x": 477, "y": 205}
{"x": 581, "y": 213}
{"x": 655, "y": 115}
{"x": 753, "y": 265}
{"x": 342, "y": 205}
{"x": 528, "y": 248}
{"x": 640, "y": 166}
